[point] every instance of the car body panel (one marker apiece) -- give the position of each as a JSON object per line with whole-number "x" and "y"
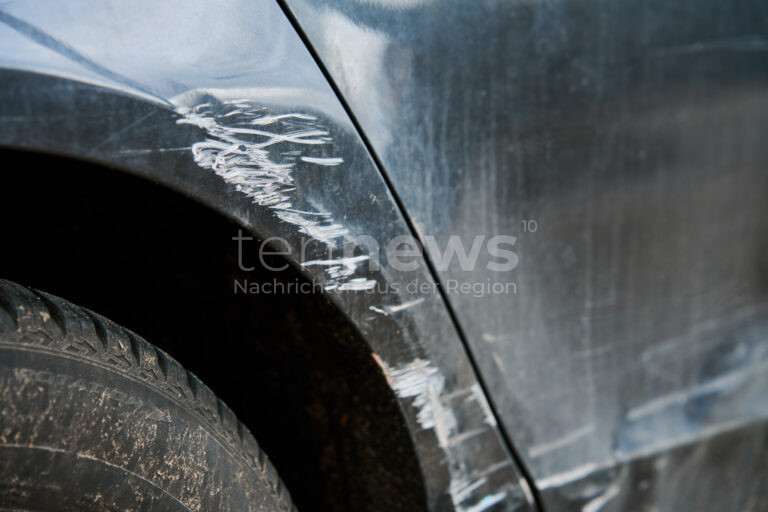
{"x": 623, "y": 144}
{"x": 226, "y": 105}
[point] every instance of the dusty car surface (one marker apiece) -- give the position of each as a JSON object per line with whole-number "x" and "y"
{"x": 424, "y": 254}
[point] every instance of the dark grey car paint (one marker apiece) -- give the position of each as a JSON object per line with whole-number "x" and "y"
{"x": 629, "y": 367}
{"x": 634, "y": 135}
{"x": 228, "y": 106}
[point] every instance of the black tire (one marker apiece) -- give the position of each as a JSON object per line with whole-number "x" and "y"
{"x": 93, "y": 418}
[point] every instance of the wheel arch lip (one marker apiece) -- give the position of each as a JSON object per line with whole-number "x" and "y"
{"x": 193, "y": 130}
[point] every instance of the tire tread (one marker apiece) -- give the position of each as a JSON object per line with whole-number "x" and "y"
{"x": 54, "y": 325}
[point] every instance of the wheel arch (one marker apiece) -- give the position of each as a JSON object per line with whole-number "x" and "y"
{"x": 150, "y": 129}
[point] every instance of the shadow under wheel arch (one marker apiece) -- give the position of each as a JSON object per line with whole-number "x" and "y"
{"x": 290, "y": 365}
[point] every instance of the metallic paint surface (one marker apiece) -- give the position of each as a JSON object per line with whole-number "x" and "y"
{"x": 634, "y": 134}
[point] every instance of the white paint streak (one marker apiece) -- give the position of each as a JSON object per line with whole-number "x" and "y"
{"x": 357, "y": 284}
{"x": 422, "y": 382}
{"x": 526, "y": 490}
{"x": 570, "y": 438}
{"x": 238, "y": 152}
{"x": 316, "y": 225}
{"x": 569, "y": 476}
{"x": 340, "y": 271}
{"x": 351, "y": 261}
{"x": 330, "y": 162}
{"x": 479, "y": 397}
{"x": 584, "y": 470}
{"x": 486, "y": 503}
{"x": 597, "y": 504}
{"x": 378, "y": 310}
{"x": 462, "y": 488}
{"x": 469, "y": 434}
{"x": 398, "y": 4}
{"x": 495, "y": 467}
{"x": 720, "y": 384}
{"x": 240, "y": 148}
{"x": 405, "y": 305}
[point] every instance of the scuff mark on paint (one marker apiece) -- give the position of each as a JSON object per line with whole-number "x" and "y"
{"x": 544, "y": 448}
{"x": 357, "y": 284}
{"x": 243, "y": 146}
{"x": 566, "y": 477}
{"x": 421, "y": 381}
{"x": 460, "y": 438}
{"x": 487, "y": 502}
{"x": 378, "y": 310}
{"x": 462, "y": 488}
{"x": 405, "y": 305}
{"x": 527, "y": 491}
{"x": 316, "y": 225}
{"x": 237, "y": 150}
{"x": 323, "y": 161}
{"x": 479, "y": 397}
{"x": 340, "y": 271}
{"x": 340, "y": 267}
{"x": 600, "y": 501}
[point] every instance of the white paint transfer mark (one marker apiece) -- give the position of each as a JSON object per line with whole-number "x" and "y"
{"x": 597, "y": 504}
{"x": 323, "y": 161}
{"x": 486, "y": 503}
{"x": 468, "y": 434}
{"x": 570, "y": 438}
{"x": 495, "y": 467}
{"x": 357, "y": 284}
{"x": 243, "y": 146}
{"x": 462, "y": 488}
{"x": 238, "y": 149}
{"x": 405, "y": 305}
{"x": 341, "y": 270}
{"x": 351, "y": 262}
{"x": 378, "y": 310}
{"x": 720, "y": 384}
{"x": 316, "y": 225}
{"x": 526, "y": 490}
{"x": 569, "y": 476}
{"x": 423, "y": 382}
{"x": 479, "y": 397}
